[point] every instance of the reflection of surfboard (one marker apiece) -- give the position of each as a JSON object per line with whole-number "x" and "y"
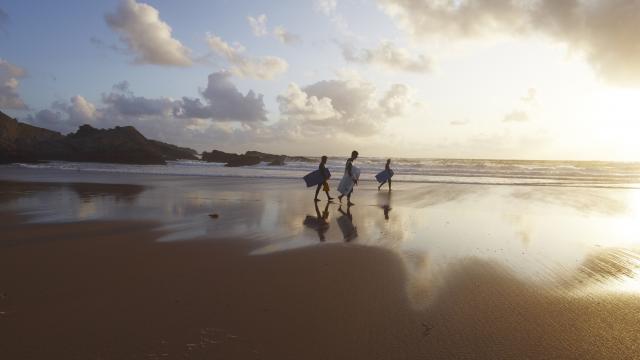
{"x": 384, "y": 175}
{"x": 315, "y": 177}
{"x": 346, "y": 226}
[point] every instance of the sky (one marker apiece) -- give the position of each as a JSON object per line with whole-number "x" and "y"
{"x": 505, "y": 79}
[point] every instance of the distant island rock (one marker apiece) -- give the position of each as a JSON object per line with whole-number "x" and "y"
{"x": 20, "y": 142}
{"x": 249, "y": 158}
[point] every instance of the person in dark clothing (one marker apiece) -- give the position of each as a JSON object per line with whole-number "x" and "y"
{"x": 348, "y": 179}
{"x": 388, "y": 181}
{"x": 324, "y": 184}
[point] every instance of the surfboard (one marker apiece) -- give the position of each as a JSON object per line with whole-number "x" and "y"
{"x": 384, "y": 175}
{"x": 315, "y": 178}
{"x": 346, "y": 184}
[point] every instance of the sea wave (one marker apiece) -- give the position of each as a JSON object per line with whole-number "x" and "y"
{"x": 513, "y": 172}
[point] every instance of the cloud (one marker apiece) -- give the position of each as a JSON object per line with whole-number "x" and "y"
{"x": 80, "y": 110}
{"x": 224, "y": 102}
{"x": 284, "y": 36}
{"x": 258, "y": 25}
{"x": 396, "y": 100}
{"x": 9, "y": 75}
{"x": 262, "y": 68}
{"x": 387, "y": 55}
{"x": 4, "y": 19}
{"x": 146, "y": 35}
{"x": 459, "y": 122}
{"x": 530, "y": 97}
{"x": 222, "y": 116}
{"x": 516, "y": 116}
{"x": 297, "y": 104}
{"x": 604, "y": 30}
{"x": 349, "y": 106}
{"x": 326, "y": 7}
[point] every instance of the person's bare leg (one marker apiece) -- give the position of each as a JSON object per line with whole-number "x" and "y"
{"x": 389, "y": 184}
{"x": 349, "y": 203}
{"x": 317, "y": 191}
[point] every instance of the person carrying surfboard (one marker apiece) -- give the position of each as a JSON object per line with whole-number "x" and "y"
{"x": 325, "y": 176}
{"x": 349, "y": 179}
{"x": 385, "y": 176}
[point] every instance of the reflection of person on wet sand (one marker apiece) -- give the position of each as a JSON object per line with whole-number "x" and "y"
{"x": 320, "y": 222}
{"x": 349, "y": 231}
{"x": 386, "y": 209}
{"x": 384, "y": 203}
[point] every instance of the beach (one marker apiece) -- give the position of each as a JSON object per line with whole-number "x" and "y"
{"x": 97, "y": 265}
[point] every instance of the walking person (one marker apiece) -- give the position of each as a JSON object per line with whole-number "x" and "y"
{"x": 324, "y": 185}
{"x": 387, "y": 174}
{"x": 349, "y": 179}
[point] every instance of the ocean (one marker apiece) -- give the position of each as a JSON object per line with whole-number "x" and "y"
{"x": 461, "y": 171}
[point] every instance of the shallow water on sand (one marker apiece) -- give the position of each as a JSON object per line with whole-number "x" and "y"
{"x": 573, "y": 240}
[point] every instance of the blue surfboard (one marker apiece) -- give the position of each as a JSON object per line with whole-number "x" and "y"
{"x": 315, "y": 178}
{"x": 384, "y": 175}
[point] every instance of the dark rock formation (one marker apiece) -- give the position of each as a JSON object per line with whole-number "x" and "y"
{"x": 277, "y": 162}
{"x": 244, "y": 160}
{"x": 270, "y": 158}
{"x": 21, "y": 142}
{"x": 173, "y": 152}
{"x": 249, "y": 158}
{"x": 231, "y": 159}
{"x": 218, "y": 156}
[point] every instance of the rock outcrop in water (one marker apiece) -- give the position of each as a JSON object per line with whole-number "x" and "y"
{"x": 21, "y": 142}
{"x": 249, "y": 158}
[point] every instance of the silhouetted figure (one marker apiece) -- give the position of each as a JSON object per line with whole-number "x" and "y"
{"x": 320, "y": 222}
{"x": 388, "y": 169}
{"x": 349, "y": 179}
{"x": 349, "y": 231}
{"x": 324, "y": 184}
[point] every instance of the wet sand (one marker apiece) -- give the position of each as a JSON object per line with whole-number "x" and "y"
{"x": 92, "y": 269}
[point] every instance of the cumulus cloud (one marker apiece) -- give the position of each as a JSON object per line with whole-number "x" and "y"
{"x": 9, "y": 75}
{"x": 224, "y": 102}
{"x": 604, "y": 30}
{"x": 262, "y": 68}
{"x": 297, "y": 104}
{"x": 387, "y": 55}
{"x": 349, "y": 106}
{"x": 284, "y": 36}
{"x": 516, "y": 116}
{"x": 258, "y": 25}
{"x": 222, "y": 115}
{"x": 146, "y": 35}
{"x": 80, "y": 110}
{"x": 122, "y": 101}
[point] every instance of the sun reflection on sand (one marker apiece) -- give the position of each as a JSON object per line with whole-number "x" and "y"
{"x": 567, "y": 238}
